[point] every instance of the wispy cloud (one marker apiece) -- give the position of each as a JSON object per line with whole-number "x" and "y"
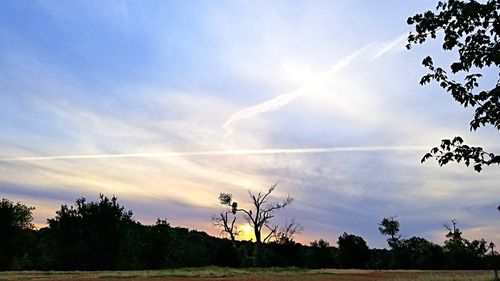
{"x": 137, "y": 112}
{"x": 234, "y": 152}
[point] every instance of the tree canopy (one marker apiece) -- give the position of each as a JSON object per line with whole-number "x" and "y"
{"x": 471, "y": 29}
{"x": 15, "y": 220}
{"x": 353, "y": 251}
{"x": 91, "y": 234}
{"x": 390, "y": 226}
{"x": 103, "y": 235}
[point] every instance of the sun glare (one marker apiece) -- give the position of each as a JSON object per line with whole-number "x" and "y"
{"x": 298, "y": 73}
{"x": 246, "y": 232}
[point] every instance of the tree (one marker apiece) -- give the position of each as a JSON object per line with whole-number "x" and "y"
{"x": 462, "y": 253}
{"x": 390, "y": 226}
{"x": 495, "y": 270}
{"x": 92, "y": 235}
{"x": 156, "y": 244}
{"x": 15, "y": 220}
{"x": 258, "y": 217}
{"x": 321, "y": 254}
{"x": 418, "y": 253}
{"x": 472, "y": 30}
{"x": 288, "y": 231}
{"x": 353, "y": 251}
{"x": 412, "y": 253}
{"x": 222, "y": 221}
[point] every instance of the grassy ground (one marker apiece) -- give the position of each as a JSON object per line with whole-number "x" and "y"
{"x": 271, "y": 274}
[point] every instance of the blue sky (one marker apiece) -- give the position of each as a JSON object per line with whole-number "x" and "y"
{"x": 322, "y": 97}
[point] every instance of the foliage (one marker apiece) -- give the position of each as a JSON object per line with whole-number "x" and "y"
{"x": 415, "y": 252}
{"x": 419, "y": 253}
{"x": 353, "y": 251}
{"x": 390, "y": 226}
{"x": 156, "y": 245}
{"x": 103, "y": 235}
{"x": 16, "y": 215}
{"x": 15, "y": 222}
{"x": 91, "y": 235}
{"x": 462, "y": 253}
{"x": 471, "y": 29}
{"x": 322, "y": 255}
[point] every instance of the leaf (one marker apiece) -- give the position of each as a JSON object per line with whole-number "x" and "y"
{"x": 427, "y": 61}
{"x": 478, "y": 168}
{"x": 456, "y": 67}
{"x": 458, "y": 140}
{"x": 426, "y": 156}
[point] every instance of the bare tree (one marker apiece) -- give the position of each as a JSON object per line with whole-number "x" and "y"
{"x": 259, "y": 216}
{"x": 288, "y": 231}
{"x": 226, "y": 221}
{"x": 263, "y": 212}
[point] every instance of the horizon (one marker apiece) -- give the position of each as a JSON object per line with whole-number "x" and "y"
{"x": 167, "y": 104}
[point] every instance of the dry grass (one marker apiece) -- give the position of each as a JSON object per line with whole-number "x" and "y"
{"x": 250, "y": 274}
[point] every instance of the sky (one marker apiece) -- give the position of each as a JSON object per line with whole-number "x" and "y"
{"x": 165, "y": 104}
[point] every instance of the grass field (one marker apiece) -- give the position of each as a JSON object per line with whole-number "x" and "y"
{"x": 274, "y": 274}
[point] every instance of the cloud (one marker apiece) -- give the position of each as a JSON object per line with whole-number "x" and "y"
{"x": 346, "y": 143}
{"x": 235, "y": 152}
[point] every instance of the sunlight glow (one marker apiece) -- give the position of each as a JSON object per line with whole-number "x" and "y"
{"x": 246, "y": 232}
{"x": 298, "y": 73}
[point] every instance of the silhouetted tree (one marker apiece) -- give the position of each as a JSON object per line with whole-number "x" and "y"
{"x": 462, "y": 253}
{"x": 16, "y": 220}
{"x": 286, "y": 233}
{"x": 418, "y": 253}
{"x": 258, "y": 217}
{"x": 381, "y": 259}
{"x": 262, "y": 212}
{"x": 390, "y": 226}
{"x": 156, "y": 245}
{"x": 321, "y": 243}
{"x": 353, "y": 251}
{"x": 415, "y": 252}
{"x": 494, "y": 261}
{"x": 225, "y": 254}
{"x": 226, "y": 220}
{"x": 472, "y": 29}
{"x": 454, "y": 245}
{"x": 92, "y": 235}
{"x": 322, "y": 255}
{"x": 192, "y": 248}
{"x": 102, "y": 235}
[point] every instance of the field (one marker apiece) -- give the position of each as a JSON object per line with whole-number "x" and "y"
{"x": 229, "y": 274}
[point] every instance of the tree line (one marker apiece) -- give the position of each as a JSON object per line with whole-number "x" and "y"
{"x": 103, "y": 235}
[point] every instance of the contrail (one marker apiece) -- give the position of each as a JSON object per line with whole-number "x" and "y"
{"x": 386, "y": 47}
{"x": 283, "y": 99}
{"x": 234, "y": 152}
